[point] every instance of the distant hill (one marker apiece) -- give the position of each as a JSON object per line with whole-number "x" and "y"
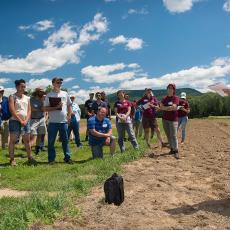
{"x": 137, "y": 94}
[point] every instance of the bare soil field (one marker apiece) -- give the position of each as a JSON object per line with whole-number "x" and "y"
{"x": 164, "y": 193}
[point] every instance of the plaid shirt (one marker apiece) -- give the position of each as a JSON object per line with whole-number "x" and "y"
{"x": 100, "y": 126}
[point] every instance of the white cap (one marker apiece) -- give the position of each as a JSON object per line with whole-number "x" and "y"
{"x": 183, "y": 95}
{"x": 1, "y": 88}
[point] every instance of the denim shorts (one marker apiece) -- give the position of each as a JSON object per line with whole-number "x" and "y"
{"x": 16, "y": 128}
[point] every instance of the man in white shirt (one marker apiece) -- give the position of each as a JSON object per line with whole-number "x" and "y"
{"x": 58, "y": 105}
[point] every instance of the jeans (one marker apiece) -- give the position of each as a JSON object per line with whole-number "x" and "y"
{"x": 53, "y": 129}
{"x": 121, "y": 128}
{"x": 170, "y": 128}
{"x": 182, "y": 122}
{"x": 74, "y": 125}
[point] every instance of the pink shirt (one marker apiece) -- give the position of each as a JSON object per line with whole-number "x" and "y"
{"x": 169, "y": 101}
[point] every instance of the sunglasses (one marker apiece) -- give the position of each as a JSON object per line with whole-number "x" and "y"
{"x": 98, "y": 95}
{"x": 59, "y": 82}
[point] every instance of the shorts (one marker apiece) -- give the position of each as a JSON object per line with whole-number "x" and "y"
{"x": 149, "y": 123}
{"x": 38, "y": 126}
{"x": 97, "y": 150}
{"x": 16, "y": 128}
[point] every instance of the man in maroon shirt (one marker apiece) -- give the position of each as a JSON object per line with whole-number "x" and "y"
{"x": 150, "y": 106}
{"x": 183, "y": 110}
{"x": 170, "y": 118}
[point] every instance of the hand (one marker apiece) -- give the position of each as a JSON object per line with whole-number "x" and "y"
{"x": 59, "y": 106}
{"x": 68, "y": 117}
{"x": 107, "y": 141}
{"x": 23, "y": 123}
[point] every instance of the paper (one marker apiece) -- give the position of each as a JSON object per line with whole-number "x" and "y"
{"x": 128, "y": 119}
{"x": 220, "y": 88}
{"x": 146, "y": 106}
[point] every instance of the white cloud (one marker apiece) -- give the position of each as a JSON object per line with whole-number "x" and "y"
{"x": 130, "y": 43}
{"x": 68, "y": 79}
{"x": 38, "y": 83}
{"x": 109, "y": 73}
{"x": 228, "y": 46}
{"x": 83, "y": 94}
{"x": 31, "y": 36}
{"x": 179, "y": 6}
{"x": 226, "y": 6}
{"x": 61, "y": 47}
{"x": 142, "y": 11}
{"x": 4, "y": 80}
{"x": 198, "y": 77}
{"x": 38, "y": 26}
{"x": 76, "y": 87}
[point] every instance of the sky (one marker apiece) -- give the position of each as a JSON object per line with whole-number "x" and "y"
{"x": 97, "y": 45}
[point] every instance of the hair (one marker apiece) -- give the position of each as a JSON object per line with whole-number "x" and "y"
{"x": 18, "y": 82}
{"x": 120, "y": 91}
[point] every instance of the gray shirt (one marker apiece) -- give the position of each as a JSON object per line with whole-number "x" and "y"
{"x": 36, "y": 104}
{"x": 58, "y": 116}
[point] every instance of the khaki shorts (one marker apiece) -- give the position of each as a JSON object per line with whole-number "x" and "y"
{"x": 38, "y": 126}
{"x": 149, "y": 123}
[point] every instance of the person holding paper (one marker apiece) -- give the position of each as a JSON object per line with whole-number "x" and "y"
{"x": 150, "y": 107}
{"x": 183, "y": 111}
{"x": 122, "y": 110}
{"x": 170, "y": 118}
{"x": 59, "y": 116}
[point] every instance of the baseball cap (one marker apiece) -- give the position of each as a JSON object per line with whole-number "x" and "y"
{"x": 183, "y": 95}
{"x": 56, "y": 79}
{"x": 1, "y": 88}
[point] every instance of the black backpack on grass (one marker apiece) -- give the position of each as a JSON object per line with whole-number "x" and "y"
{"x": 114, "y": 190}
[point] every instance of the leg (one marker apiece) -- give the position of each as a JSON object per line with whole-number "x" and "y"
{"x": 5, "y": 134}
{"x": 146, "y": 133}
{"x": 112, "y": 145}
{"x": 183, "y": 128}
{"x": 26, "y": 140}
{"x": 97, "y": 151}
{"x": 131, "y": 134}
{"x": 76, "y": 133}
{"x": 121, "y": 134}
{"x": 13, "y": 139}
{"x": 63, "y": 129}
{"x": 52, "y": 134}
{"x": 167, "y": 131}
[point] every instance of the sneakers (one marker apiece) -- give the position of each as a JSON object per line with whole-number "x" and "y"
{"x": 32, "y": 161}
{"x": 171, "y": 152}
{"x": 13, "y": 163}
{"x": 163, "y": 145}
{"x": 176, "y": 154}
{"x": 68, "y": 161}
{"x": 37, "y": 150}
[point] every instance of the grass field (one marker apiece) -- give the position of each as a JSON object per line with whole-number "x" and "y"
{"x": 53, "y": 189}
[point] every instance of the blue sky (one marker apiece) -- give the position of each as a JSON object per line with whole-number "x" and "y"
{"x": 114, "y": 44}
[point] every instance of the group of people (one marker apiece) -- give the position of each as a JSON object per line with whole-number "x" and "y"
{"x": 21, "y": 115}
{"x": 136, "y": 116}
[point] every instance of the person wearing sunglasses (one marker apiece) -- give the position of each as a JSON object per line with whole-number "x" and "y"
{"x": 58, "y": 105}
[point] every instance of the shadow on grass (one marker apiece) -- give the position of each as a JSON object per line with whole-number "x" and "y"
{"x": 222, "y": 207}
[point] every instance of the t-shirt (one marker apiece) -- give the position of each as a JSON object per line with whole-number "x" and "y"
{"x": 36, "y": 104}
{"x": 100, "y": 126}
{"x": 148, "y": 112}
{"x": 58, "y": 116}
{"x": 96, "y": 105}
{"x": 122, "y": 106}
{"x": 88, "y": 105}
{"x": 137, "y": 116}
{"x": 185, "y": 104}
{"x": 169, "y": 101}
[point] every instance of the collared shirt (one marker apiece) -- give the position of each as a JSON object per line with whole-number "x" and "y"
{"x": 96, "y": 105}
{"x": 77, "y": 111}
{"x": 100, "y": 126}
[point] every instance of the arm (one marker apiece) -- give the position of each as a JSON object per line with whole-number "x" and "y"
{"x": 12, "y": 109}
{"x": 97, "y": 134}
{"x": 168, "y": 108}
{"x": 116, "y": 113}
{"x": 128, "y": 113}
{"x": 28, "y": 113}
